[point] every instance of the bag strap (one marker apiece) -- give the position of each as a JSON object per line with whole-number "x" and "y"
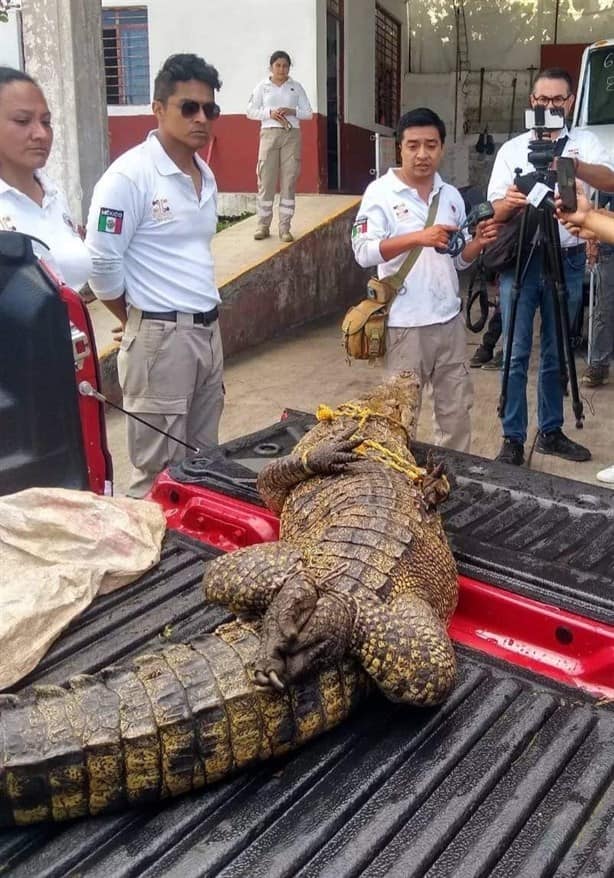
{"x": 397, "y": 279}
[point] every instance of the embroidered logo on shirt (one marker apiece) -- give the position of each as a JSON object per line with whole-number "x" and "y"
{"x": 110, "y": 221}
{"x": 7, "y": 224}
{"x": 160, "y": 209}
{"x": 360, "y": 226}
{"x": 400, "y": 210}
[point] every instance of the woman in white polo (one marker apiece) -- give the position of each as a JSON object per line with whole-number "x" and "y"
{"x": 29, "y": 201}
{"x": 279, "y": 103}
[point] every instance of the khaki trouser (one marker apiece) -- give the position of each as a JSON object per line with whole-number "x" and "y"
{"x": 438, "y": 353}
{"x": 171, "y": 374}
{"x": 279, "y": 158}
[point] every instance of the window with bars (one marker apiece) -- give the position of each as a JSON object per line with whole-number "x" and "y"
{"x": 387, "y": 68}
{"x": 125, "y": 43}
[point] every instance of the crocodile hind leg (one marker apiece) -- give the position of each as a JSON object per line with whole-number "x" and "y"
{"x": 303, "y": 630}
{"x": 248, "y": 579}
{"x": 405, "y": 648}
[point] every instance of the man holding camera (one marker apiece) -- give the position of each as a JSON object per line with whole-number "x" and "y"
{"x": 425, "y": 332}
{"x": 552, "y": 89}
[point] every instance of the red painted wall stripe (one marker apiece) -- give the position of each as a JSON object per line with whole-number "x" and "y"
{"x": 233, "y": 152}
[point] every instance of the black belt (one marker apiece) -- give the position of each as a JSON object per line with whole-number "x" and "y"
{"x": 204, "y": 319}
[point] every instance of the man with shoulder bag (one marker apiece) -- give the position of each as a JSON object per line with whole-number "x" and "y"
{"x": 404, "y": 225}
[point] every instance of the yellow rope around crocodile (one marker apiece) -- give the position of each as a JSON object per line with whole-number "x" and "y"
{"x": 382, "y": 454}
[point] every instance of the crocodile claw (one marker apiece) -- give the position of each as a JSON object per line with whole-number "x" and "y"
{"x": 268, "y": 681}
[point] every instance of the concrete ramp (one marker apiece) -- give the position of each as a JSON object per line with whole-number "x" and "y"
{"x": 268, "y": 287}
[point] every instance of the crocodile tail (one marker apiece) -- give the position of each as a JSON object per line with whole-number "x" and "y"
{"x": 163, "y": 725}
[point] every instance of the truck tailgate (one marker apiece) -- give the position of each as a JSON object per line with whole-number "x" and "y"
{"x": 512, "y": 776}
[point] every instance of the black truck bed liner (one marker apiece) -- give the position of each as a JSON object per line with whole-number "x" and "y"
{"x": 512, "y": 776}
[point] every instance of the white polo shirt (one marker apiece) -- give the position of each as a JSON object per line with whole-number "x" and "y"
{"x": 514, "y": 153}
{"x": 51, "y": 223}
{"x": 389, "y": 208}
{"x": 149, "y": 234}
{"x": 267, "y": 96}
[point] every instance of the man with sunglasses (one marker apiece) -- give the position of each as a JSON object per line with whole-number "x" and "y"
{"x": 152, "y": 218}
{"x": 552, "y": 88}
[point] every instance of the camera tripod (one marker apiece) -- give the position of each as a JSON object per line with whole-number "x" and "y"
{"x": 547, "y": 240}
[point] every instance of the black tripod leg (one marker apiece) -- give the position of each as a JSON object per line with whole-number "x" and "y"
{"x": 560, "y": 303}
{"x": 515, "y": 293}
{"x": 551, "y": 272}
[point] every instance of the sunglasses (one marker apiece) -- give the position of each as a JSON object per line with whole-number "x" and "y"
{"x": 189, "y": 109}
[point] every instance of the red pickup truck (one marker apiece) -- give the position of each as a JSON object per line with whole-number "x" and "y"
{"x": 512, "y": 776}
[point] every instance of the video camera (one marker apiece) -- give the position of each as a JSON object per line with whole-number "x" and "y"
{"x": 456, "y": 241}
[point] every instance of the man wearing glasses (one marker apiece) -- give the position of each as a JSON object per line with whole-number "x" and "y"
{"x": 552, "y": 88}
{"x": 152, "y": 218}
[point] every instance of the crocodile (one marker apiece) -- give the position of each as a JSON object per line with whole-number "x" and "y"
{"x": 363, "y": 566}
{"x": 357, "y": 591}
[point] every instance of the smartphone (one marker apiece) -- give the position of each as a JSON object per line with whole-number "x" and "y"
{"x": 566, "y": 178}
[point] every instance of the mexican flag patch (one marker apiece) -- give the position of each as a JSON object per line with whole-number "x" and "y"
{"x": 359, "y": 227}
{"x": 110, "y": 221}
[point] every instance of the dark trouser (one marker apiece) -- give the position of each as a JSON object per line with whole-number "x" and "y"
{"x": 603, "y": 315}
{"x": 536, "y": 294}
{"x": 493, "y": 330}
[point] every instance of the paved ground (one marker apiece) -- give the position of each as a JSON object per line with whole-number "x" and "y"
{"x": 308, "y": 367}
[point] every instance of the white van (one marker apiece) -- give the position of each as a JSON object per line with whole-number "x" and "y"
{"x": 594, "y": 108}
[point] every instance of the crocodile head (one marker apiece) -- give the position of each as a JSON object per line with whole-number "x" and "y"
{"x": 397, "y": 402}
{"x": 387, "y": 414}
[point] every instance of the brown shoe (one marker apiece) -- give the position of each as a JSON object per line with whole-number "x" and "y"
{"x": 286, "y": 236}
{"x": 595, "y": 376}
{"x": 261, "y": 234}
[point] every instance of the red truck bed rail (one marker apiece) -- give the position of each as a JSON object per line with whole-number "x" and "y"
{"x": 542, "y": 638}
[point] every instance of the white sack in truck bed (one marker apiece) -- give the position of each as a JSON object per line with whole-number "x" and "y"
{"x": 58, "y": 550}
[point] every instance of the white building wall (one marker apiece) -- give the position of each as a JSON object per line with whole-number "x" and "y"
{"x": 502, "y": 34}
{"x": 238, "y": 38}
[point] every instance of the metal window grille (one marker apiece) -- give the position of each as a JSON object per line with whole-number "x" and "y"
{"x": 335, "y": 7}
{"x": 387, "y": 68}
{"x": 125, "y": 43}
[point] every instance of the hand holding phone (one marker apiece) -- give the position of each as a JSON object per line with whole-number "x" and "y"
{"x": 566, "y": 179}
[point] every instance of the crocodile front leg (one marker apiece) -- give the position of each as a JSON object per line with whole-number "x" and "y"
{"x": 405, "y": 648}
{"x": 328, "y": 458}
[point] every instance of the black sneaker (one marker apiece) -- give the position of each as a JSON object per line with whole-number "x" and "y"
{"x": 512, "y": 452}
{"x": 496, "y": 362}
{"x": 595, "y": 376}
{"x": 557, "y": 444}
{"x": 482, "y": 355}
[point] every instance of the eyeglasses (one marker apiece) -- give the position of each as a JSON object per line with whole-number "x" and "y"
{"x": 188, "y": 109}
{"x": 557, "y": 101}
